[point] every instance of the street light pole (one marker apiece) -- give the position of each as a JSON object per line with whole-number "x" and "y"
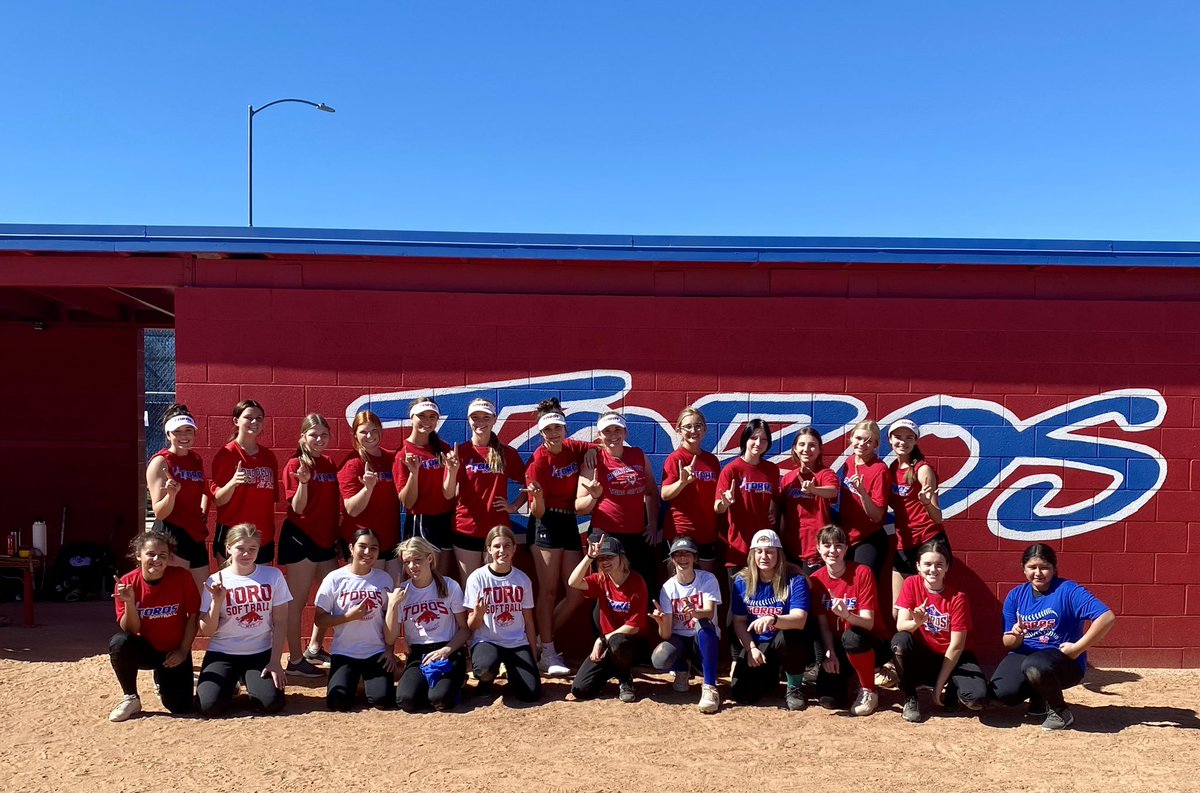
{"x": 251, "y": 112}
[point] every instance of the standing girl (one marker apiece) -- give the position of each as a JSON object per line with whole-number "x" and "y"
{"x": 157, "y": 610}
{"x": 245, "y": 613}
{"x": 245, "y": 482}
{"x": 175, "y": 478}
{"x": 770, "y": 608}
{"x": 1046, "y": 640}
{"x": 685, "y": 613}
{"x": 621, "y": 496}
{"x": 806, "y": 494}
{"x": 746, "y": 493}
{"x": 914, "y": 501}
{"x": 478, "y": 473}
{"x": 931, "y": 646}
{"x": 418, "y": 473}
{"x": 368, "y": 490}
{"x": 690, "y": 489}
{"x": 623, "y": 600}
{"x": 308, "y": 540}
{"x": 353, "y": 598}
{"x": 428, "y": 612}
{"x": 864, "y": 495}
{"x": 501, "y": 601}
{"x": 552, "y": 478}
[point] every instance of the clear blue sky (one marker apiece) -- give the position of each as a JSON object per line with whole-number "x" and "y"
{"x": 1028, "y": 120}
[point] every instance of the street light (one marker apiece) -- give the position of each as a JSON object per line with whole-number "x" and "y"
{"x": 251, "y": 112}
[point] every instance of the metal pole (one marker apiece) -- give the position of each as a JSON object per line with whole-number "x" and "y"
{"x": 250, "y": 166}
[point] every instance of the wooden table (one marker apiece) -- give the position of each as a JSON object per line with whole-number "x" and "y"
{"x": 27, "y": 566}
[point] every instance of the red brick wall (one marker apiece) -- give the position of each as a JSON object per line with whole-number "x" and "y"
{"x": 1034, "y": 349}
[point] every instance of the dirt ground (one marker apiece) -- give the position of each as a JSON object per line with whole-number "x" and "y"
{"x": 1135, "y": 730}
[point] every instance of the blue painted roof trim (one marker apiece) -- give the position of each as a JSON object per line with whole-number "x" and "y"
{"x": 606, "y": 247}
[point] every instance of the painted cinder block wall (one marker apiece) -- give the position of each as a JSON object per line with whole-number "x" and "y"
{"x": 1119, "y": 345}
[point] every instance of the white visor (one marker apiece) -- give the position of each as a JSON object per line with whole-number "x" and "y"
{"x": 611, "y": 420}
{"x": 175, "y": 422}
{"x": 551, "y": 418}
{"x": 423, "y": 406}
{"x": 481, "y": 406}
{"x": 907, "y": 424}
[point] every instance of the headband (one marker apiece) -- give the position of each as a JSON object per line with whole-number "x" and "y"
{"x": 175, "y": 422}
{"x": 422, "y": 406}
{"x": 551, "y": 418}
{"x": 611, "y": 420}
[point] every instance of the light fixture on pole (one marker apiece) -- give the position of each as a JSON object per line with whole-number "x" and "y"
{"x": 251, "y": 112}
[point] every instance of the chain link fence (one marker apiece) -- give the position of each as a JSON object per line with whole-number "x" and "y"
{"x": 159, "y": 353}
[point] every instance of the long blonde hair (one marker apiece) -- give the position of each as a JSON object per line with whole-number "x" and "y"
{"x": 419, "y": 546}
{"x": 870, "y": 426}
{"x": 242, "y": 531}
{"x": 310, "y": 421}
{"x": 778, "y": 581}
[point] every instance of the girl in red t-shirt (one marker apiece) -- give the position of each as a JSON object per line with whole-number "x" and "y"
{"x": 419, "y": 475}
{"x": 931, "y": 646}
{"x": 368, "y": 491}
{"x": 913, "y": 498}
{"x": 747, "y": 491}
{"x": 690, "y": 488}
{"x": 552, "y": 477}
{"x": 175, "y": 479}
{"x": 308, "y": 539}
{"x": 806, "y": 494}
{"x": 863, "y": 504}
{"x": 477, "y": 476}
{"x": 245, "y": 482}
{"x": 620, "y": 494}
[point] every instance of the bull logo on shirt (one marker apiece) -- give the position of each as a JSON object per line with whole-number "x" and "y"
{"x": 505, "y": 618}
{"x": 426, "y": 618}
{"x": 250, "y": 619}
{"x": 1025, "y": 465}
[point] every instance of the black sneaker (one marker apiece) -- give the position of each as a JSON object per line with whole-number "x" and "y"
{"x": 1037, "y": 708}
{"x": 827, "y": 702}
{"x": 912, "y": 710}
{"x": 625, "y": 692}
{"x": 810, "y": 673}
{"x": 1058, "y": 719}
{"x": 795, "y": 699}
{"x": 303, "y": 668}
{"x": 317, "y": 656}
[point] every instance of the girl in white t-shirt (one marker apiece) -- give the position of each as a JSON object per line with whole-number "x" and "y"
{"x": 684, "y": 613}
{"x": 428, "y": 613}
{"x": 353, "y": 598}
{"x": 501, "y": 601}
{"x": 244, "y": 610}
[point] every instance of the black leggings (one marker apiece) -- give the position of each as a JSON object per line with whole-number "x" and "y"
{"x": 1044, "y": 674}
{"x": 344, "y": 673}
{"x": 917, "y": 665}
{"x": 785, "y": 650}
{"x": 219, "y": 676}
{"x": 853, "y": 641}
{"x": 623, "y": 652}
{"x": 129, "y": 652}
{"x": 524, "y": 679}
{"x": 414, "y": 693}
{"x": 873, "y": 552}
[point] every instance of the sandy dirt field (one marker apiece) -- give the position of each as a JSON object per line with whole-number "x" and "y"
{"x": 1136, "y": 730}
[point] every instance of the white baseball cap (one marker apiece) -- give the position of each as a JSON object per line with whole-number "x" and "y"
{"x": 765, "y": 538}
{"x": 906, "y": 424}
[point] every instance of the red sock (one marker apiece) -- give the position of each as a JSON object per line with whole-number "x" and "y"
{"x": 864, "y": 667}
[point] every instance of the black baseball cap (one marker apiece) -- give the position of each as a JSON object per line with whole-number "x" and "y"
{"x": 684, "y": 544}
{"x": 610, "y": 546}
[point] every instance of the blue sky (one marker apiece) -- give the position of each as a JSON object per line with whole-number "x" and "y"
{"x": 1062, "y": 120}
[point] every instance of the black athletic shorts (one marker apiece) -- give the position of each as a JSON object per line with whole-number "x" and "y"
{"x": 438, "y": 529}
{"x": 557, "y": 529}
{"x": 905, "y": 562}
{"x": 195, "y": 552}
{"x": 296, "y": 546}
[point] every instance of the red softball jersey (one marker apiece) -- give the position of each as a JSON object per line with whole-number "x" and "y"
{"x": 626, "y": 480}
{"x": 856, "y": 586}
{"x": 187, "y": 513}
{"x": 876, "y": 482}
{"x": 320, "y": 517}
{"x": 914, "y": 524}
{"x": 255, "y": 501}
{"x": 382, "y": 513}
{"x": 804, "y": 515}
{"x": 430, "y": 499}
{"x": 164, "y": 607}
{"x": 557, "y": 474}
{"x": 479, "y": 486}
{"x": 757, "y": 487}
{"x": 690, "y": 514}
{"x": 945, "y": 612}
{"x": 626, "y": 604}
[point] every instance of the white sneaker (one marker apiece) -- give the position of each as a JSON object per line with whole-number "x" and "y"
{"x": 130, "y": 706}
{"x": 866, "y": 703}
{"x": 683, "y": 681}
{"x": 551, "y": 663}
{"x": 710, "y": 700}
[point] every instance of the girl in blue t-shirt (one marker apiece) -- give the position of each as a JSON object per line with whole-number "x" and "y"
{"x": 769, "y": 606}
{"x": 1045, "y": 636}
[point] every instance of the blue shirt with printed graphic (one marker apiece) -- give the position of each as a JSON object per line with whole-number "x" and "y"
{"x": 764, "y": 603}
{"x": 1053, "y": 618}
